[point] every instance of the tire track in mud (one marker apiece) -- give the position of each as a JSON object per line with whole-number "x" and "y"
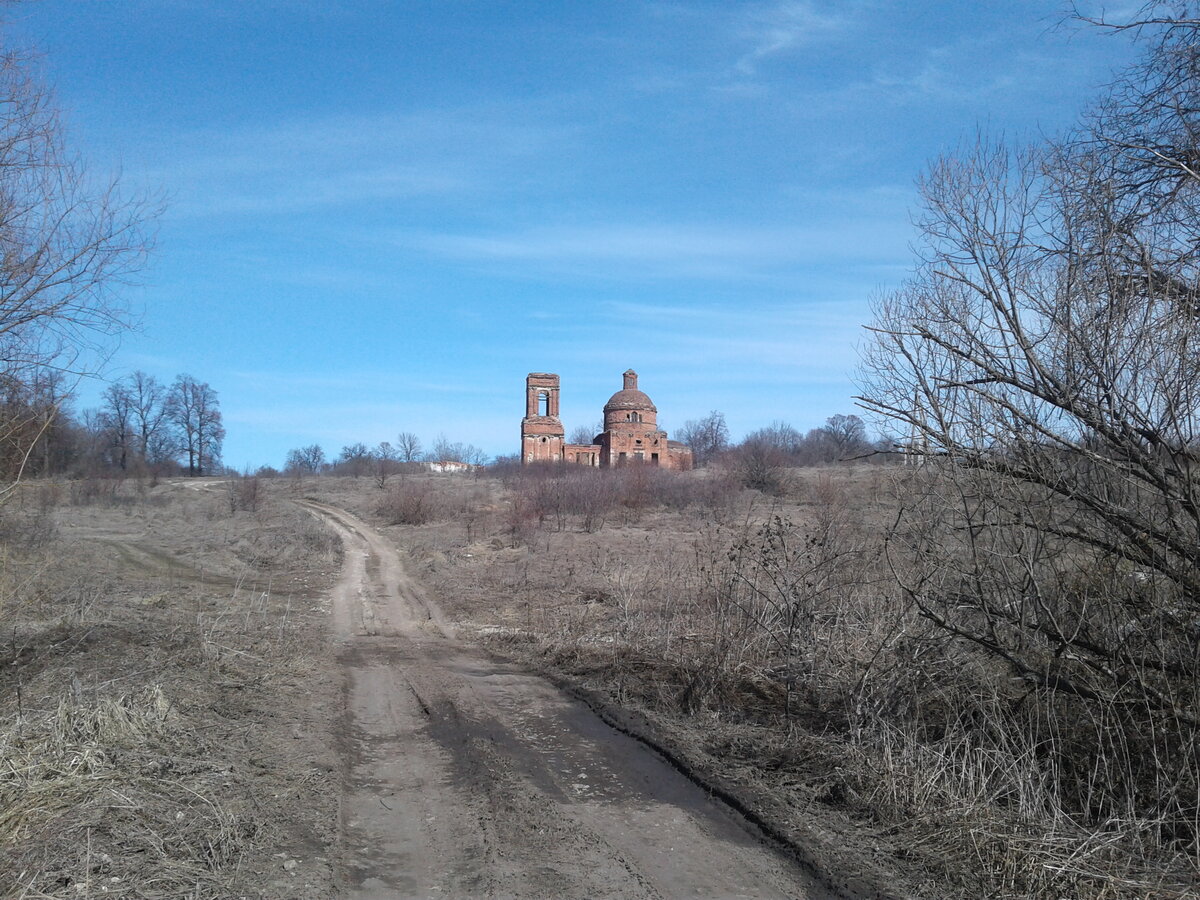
{"x": 464, "y": 776}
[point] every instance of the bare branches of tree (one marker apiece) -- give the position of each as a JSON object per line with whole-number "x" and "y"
{"x": 308, "y": 460}
{"x": 383, "y": 459}
{"x": 1047, "y": 355}
{"x": 445, "y": 450}
{"x": 66, "y": 244}
{"x": 149, "y": 409}
{"x": 66, "y": 241}
{"x": 847, "y": 434}
{"x": 707, "y": 437}
{"x": 408, "y": 447}
{"x": 355, "y": 458}
{"x": 193, "y": 408}
{"x": 585, "y": 434}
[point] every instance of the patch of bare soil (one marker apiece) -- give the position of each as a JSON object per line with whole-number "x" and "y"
{"x": 470, "y": 777}
{"x": 166, "y": 694}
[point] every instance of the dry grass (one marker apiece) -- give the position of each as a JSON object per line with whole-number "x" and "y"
{"x": 166, "y": 695}
{"x": 768, "y": 634}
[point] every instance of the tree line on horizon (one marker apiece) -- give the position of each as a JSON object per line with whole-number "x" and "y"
{"x": 141, "y": 427}
{"x": 843, "y": 438}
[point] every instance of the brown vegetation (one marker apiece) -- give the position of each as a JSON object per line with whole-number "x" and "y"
{"x": 768, "y": 634}
{"x": 165, "y": 694}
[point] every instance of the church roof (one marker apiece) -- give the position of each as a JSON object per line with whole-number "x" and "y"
{"x": 630, "y": 398}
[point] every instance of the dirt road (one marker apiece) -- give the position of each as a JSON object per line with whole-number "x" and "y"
{"x": 465, "y": 777}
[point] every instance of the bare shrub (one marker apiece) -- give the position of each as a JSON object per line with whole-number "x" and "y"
{"x": 243, "y": 492}
{"x": 44, "y": 495}
{"x": 759, "y": 465}
{"x": 520, "y": 519}
{"x": 110, "y": 492}
{"x": 590, "y": 494}
{"x": 413, "y": 502}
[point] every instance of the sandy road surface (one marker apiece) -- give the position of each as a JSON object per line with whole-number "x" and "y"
{"x": 465, "y": 777}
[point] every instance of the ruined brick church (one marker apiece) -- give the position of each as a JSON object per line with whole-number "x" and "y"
{"x": 630, "y": 432}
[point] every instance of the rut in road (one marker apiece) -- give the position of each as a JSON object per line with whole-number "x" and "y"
{"x": 468, "y": 777}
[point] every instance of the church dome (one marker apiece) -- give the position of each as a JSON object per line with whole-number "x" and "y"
{"x": 629, "y": 405}
{"x": 629, "y": 398}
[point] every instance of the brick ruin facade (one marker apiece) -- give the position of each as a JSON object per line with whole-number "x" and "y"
{"x": 630, "y": 436}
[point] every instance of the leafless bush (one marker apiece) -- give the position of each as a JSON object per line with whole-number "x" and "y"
{"x": 93, "y": 491}
{"x": 413, "y": 502}
{"x": 44, "y": 495}
{"x": 520, "y": 519}
{"x": 1043, "y": 360}
{"x": 243, "y": 492}
{"x": 760, "y": 466}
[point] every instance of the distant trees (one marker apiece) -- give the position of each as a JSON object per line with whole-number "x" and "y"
{"x": 148, "y": 409}
{"x": 847, "y": 434}
{"x": 584, "y": 434}
{"x": 445, "y": 450}
{"x": 117, "y": 421}
{"x": 192, "y": 408}
{"x": 139, "y": 427}
{"x": 35, "y": 438}
{"x": 355, "y": 459}
{"x": 308, "y": 460}
{"x": 707, "y": 437}
{"x": 408, "y": 447}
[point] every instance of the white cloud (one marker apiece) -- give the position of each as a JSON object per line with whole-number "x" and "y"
{"x": 675, "y": 250}
{"x": 786, "y": 27}
{"x": 315, "y": 163}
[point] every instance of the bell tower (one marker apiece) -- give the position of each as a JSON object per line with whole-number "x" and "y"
{"x": 542, "y": 435}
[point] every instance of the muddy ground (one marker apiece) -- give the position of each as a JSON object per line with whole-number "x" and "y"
{"x": 470, "y": 777}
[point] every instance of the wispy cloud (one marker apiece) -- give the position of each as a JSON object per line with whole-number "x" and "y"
{"x": 309, "y": 164}
{"x": 785, "y": 27}
{"x": 671, "y": 250}
{"x": 967, "y": 71}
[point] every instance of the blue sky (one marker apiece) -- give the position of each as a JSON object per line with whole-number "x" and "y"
{"x": 382, "y": 215}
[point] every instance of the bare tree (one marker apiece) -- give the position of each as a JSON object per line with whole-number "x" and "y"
{"x": 585, "y": 434}
{"x": 193, "y": 408}
{"x": 149, "y": 410}
{"x": 848, "y": 434}
{"x": 30, "y": 422}
{"x": 408, "y": 447}
{"x": 707, "y": 437}
{"x": 445, "y": 450}
{"x": 355, "y": 458}
{"x": 308, "y": 460}
{"x": 117, "y": 415}
{"x": 384, "y": 459}
{"x": 66, "y": 244}
{"x": 1046, "y": 357}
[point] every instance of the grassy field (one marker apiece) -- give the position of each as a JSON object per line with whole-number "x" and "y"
{"x": 762, "y": 639}
{"x": 168, "y": 718}
{"x": 167, "y": 695}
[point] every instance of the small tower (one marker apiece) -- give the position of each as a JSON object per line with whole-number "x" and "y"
{"x": 542, "y": 435}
